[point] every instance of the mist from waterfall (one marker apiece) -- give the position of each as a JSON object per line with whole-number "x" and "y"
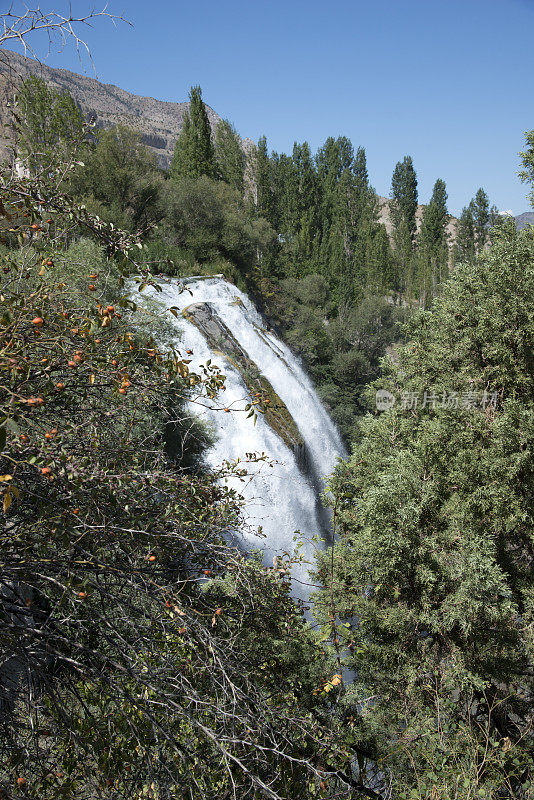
{"x": 283, "y": 496}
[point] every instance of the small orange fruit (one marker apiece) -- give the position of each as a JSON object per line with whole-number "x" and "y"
{"x": 92, "y": 287}
{"x": 38, "y": 321}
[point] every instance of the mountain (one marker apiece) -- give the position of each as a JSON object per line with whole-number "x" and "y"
{"x": 522, "y": 220}
{"x": 159, "y": 122}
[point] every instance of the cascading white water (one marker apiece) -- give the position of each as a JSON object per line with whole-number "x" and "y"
{"x": 281, "y": 498}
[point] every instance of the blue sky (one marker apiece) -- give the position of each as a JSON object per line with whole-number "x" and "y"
{"x": 444, "y": 81}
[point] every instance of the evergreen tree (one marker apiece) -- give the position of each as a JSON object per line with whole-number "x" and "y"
{"x": 194, "y": 153}
{"x": 229, "y": 155}
{"x": 432, "y": 570}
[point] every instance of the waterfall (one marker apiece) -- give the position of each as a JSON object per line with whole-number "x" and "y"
{"x": 283, "y": 496}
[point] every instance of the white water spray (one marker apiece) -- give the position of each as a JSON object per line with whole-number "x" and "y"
{"x": 281, "y": 499}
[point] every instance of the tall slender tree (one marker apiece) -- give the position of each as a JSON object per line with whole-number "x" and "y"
{"x": 481, "y": 217}
{"x": 194, "y": 153}
{"x": 404, "y": 196}
{"x": 433, "y": 240}
{"x": 229, "y": 155}
{"x": 464, "y": 247}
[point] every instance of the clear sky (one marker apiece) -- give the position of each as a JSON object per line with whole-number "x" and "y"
{"x": 448, "y": 82}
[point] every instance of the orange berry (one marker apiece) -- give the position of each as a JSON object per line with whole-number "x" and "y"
{"x": 227, "y": 410}
{"x": 35, "y": 227}
{"x": 75, "y": 510}
{"x": 21, "y": 781}
{"x": 218, "y": 612}
{"x": 72, "y": 364}
{"x": 49, "y": 263}
{"x": 82, "y": 595}
{"x": 92, "y": 287}
{"x": 122, "y": 391}
{"x": 38, "y": 321}
{"x": 114, "y": 362}
{"x": 46, "y": 471}
{"x": 60, "y": 385}
{"x": 152, "y": 558}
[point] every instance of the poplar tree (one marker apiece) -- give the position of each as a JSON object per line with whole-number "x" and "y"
{"x": 229, "y": 155}
{"x": 481, "y": 217}
{"x": 194, "y": 153}
{"x": 264, "y": 182}
{"x": 404, "y": 196}
{"x": 464, "y": 247}
{"x": 433, "y": 239}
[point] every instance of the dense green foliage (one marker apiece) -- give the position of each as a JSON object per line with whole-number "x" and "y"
{"x": 194, "y": 153}
{"x": 119, "y": 179}
{"x": 140, "y": 654}
{"x": 185, "y": 667}
{"x": 50, "y": 125}
{"x": 433, "y": 568}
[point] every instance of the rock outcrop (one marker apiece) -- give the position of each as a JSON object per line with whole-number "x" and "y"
{"x": 221, "y": 341}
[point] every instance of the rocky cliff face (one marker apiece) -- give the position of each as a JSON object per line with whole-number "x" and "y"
{"x": 158, "y": 122}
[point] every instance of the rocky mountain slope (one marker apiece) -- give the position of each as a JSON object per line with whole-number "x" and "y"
{"x": 158, "y": 122}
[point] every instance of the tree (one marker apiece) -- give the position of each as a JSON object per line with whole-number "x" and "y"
{"x": 194, "y": 153}
{"x": 527, "y": 160}
{"x": 229, "y": 155}
{"x": 481, "y": 217}
{"x": 264, "y": 182}
{"x": 403, "y": 203}
{"x": 51, "y": 125}
{"x": 121, "y": 174}
{"x": 433, "y": 240}
{"x": 137, "y": 648}
{"x": 465, "y": 244}
{"x": 432, "y": 572}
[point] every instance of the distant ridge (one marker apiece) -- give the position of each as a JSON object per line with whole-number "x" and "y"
{"x": 159, "y": 122}
{"x": 522, "y": 220}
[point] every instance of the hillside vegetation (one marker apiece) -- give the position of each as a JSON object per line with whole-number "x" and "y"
{"x": 141, "y": 655}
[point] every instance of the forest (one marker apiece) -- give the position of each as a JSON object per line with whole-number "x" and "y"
{"x": 141, "y": 654}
